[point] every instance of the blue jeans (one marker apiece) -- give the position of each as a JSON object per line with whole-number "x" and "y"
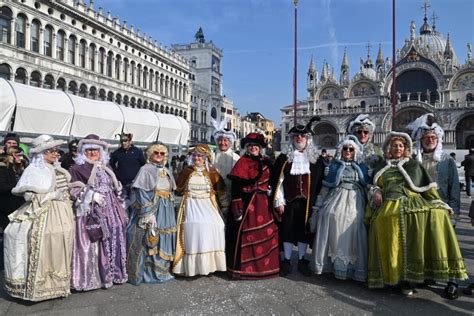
{"x": 468, "y": 185}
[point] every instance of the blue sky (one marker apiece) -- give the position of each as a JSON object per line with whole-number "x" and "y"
{"x": 257, "y": 37}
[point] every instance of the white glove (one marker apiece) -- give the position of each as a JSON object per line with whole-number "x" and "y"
{"x": 98, "y": 198}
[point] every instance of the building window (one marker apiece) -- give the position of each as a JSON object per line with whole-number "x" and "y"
{"x": 20, "y": 76}
{"x": 60, "y": 38}
{"x": 132, "y": 75}
{"x": 101, "y": 61}
{"x": 5, "y": 71}
{"x": 110, "y": 58}
{"x": 20, "y": 31}
{"x": 118, "y": 60}
{"x": 82, "y": 54}
{"x": 5, "y": 24}
{"x": 126, "y": 67}
{"x": 71, "y": 51}
{"x": 48, "y": 41}
{"x": 92, "y": 57}
{"x": 34, "y": 43}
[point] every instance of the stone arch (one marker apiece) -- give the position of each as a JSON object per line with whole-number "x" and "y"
{"x": 72, "y": 87}
{"x": 110, "y": 96}
{"x": 21, "y": 75}
{"x": 326, "y": 135}
{"x": 93, "y": 93}
{"x": 83, "y": 91}
{"x": 465, "y": 131}
{"x": 49, "y": 81}
{"x": 36, "y": 79}
{"x": 118, "y": 98}
{"x": 102, "y": 95}
{"x": 405, "y": 116}
{"x": 6, "y": 15}
{"x": 5, "y": 71}
{"x": 61, "y": 84}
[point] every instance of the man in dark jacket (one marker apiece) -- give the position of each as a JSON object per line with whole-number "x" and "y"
{"x": 126, "y": 161}
{"x": 468, "y": 164}
{"x": 67, "y": 160}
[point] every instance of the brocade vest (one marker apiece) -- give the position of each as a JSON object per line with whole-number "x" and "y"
{"x": 295, "y": 186}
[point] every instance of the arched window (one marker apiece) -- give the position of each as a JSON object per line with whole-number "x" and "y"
{"x": 102, "y": 94}
{"x": 83, "y": 91}
{"x": 5, "y": 71}
{"x": 101, "y": 60}
{"x": 72, "y": 88}
{"x": 132, "y": 75}
{"x": 82, "y": 54}
{"x": 110, "y": 57}
{"x": 167, "y": 110}
{"x": 125, "y": 100}
{"x": 150, "y": 84}
{"x": 48, "y": 82}
{"x": 93, "y": 93}
{"x": 35, "y": 79}
{"x": 139, "y": 75}
{"x": 329, "y": 106}
{"x": 60, "y": 42}
{"x": 214, "y": 113}
{"x": 139, "y": 103}
{"x": 34, "y": 37}
{"x": 61, "y": 84}
{"x": 162, "y": 109}
{"x": 118, "y": 61}
{"x": 20, "y": 28}
{"x": 145, "y": 77}
{"x": 126, "y": 67}
{"x": 71, "y": 50}
{"x": 118, "y": 98}
{"x": 110, "y": 96}
{"x": 92, "y": 57}
{"x": 362, "y": 104}
{"x": 469, "y": 97}
{"x": 5, "y": 24}
{"x": 132, "y": 102}
{"x": 20, "y": 75}
{"x": 48, "y": 41}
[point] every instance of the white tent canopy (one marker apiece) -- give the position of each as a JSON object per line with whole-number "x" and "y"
{"x": 141, "y": 123}
{"x": 7, "y": 104}
{"x": 184, "y": 131}
{"x": 96, "y": 117}
{"x": 54, "y": 112}
{"x": 170, "y": 129}
{"x": 42, "y": 111}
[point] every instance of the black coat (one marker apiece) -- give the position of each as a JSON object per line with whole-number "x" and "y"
{"x": 8, "y": 201}
{"x": 468, "y": 164}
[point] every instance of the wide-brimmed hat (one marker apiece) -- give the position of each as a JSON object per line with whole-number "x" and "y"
{"x": 254, "y": 138}
{"x": 202, "y": 149}
{"x": 361, "y": 121}
{"x": 93, "y": 140}
{"x": 44, "y": 142}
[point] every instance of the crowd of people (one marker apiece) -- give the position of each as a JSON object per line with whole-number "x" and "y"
{"x": 89, "y": 220}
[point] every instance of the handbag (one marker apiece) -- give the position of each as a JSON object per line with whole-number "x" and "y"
{"x": 93, "y": 226}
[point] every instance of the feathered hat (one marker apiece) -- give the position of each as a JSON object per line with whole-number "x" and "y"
{"x": 222, "y": 131}
{"x": 300, "y": 129}
{"x": 93, "y": 140}
{"x": 422, "y": 125}
{"x": 362, "y": 120}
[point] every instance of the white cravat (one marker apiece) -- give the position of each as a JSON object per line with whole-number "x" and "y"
{"x": 300, "y": 163}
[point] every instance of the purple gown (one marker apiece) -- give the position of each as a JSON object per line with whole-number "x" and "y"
{"x": 101, "y": 263}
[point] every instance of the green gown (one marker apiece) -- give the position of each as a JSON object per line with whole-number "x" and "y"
{"x": 411, "y": 237}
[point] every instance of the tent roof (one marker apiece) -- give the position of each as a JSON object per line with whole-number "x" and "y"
{"x": 41, "y": 111}
{"x": 96, "y": 117}
{"x": 170, "y": 128}
{"x": 7, "y": 104}
{"x": 141, "y": 123}
{"x": 184, "y": 131}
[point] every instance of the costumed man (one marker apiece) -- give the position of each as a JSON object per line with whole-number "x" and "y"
{"x": 363, "y": 128}
{"x": 224, "y": 157}
{"x": 428, "y": 136}
{"x": 296, "y": 180}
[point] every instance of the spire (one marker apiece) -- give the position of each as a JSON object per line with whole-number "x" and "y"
{"x": 448, "y": 51}
{"x": 368, "y": 63}
{"x": 379, "y": 60}
{"x": 344, "y": 74}
{"x": 345, "y": 60}
{"x": 199, "y": 36}
{"x": 312, "y": 69}
{"x": 324, "y": 72}
{"x": 434, "y": 17}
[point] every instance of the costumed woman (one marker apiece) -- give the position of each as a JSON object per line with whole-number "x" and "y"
{"x": 411, "y": 238}
{"x": 200, "y": 247}
{"x": 99, "y": 258}
{"x": 340, "y": 242}
{"x": 151, "y": 232}
{"x": 38, "y": 242}
{"x": 251, "y": 233}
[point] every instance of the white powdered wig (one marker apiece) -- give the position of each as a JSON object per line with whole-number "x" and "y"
{"x": 350, "y": 140}
{"x": 81, "y": 157}
{"x": 422, "y": 125}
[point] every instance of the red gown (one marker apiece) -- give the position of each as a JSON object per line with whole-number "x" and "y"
{"x": 252, "y": 242}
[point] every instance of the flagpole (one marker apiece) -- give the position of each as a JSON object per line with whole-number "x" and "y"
{"x": 295, "y": 66}
{"x": 394, "y": 72}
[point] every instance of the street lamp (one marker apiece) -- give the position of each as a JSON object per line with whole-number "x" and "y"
{"x": 295, "y": 72}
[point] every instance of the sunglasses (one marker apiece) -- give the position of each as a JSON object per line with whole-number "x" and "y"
{"x": 351, "y": 149}
{"x": 362, "y": 132}
{"x": 52, "y": 151}
{"x": 159, "y": 153}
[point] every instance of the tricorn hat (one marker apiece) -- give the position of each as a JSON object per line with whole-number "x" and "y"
{"x": 300, "y": 129}
{"x": 254, "y": 138}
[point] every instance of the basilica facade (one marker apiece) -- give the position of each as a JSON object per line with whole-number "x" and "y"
{"x": 431, "y": 78}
